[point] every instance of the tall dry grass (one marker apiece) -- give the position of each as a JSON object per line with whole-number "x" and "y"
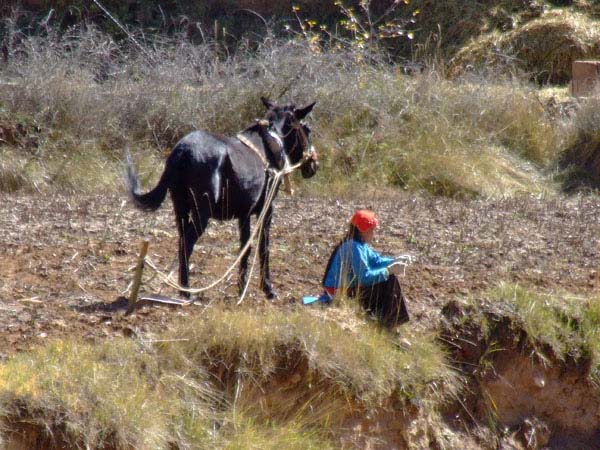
{"x": 92, "y": 98}
{"x": 468, "y": 137}
{"x": 580, "y": 160}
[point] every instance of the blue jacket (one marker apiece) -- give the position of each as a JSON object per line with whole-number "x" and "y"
{"x": 355, "y": 263}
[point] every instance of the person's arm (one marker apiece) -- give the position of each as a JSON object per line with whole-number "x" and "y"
{"x": 364, "y": 267}
{"x": 379, "y": 261}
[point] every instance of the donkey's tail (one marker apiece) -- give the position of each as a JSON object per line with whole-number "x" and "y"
{"x": 151, "y": 200}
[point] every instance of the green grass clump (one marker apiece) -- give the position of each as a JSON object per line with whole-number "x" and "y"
{"x": 366, "y": 364}
{"x": 102, "y": 395}
{"x": 567, "y": 324}
{"x": 539, "y": 316}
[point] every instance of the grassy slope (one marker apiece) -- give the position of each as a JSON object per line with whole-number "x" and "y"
{"x": 255, "y": 379}
{"x": 268, "y": 378}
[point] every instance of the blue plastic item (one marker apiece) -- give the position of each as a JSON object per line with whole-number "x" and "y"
{"x": 307, "y": 300}
{"x": 310, "y": 299}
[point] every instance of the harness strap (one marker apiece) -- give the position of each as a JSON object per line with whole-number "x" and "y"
{"x": 287, "y": 184}
{"x": 248, "y": 143}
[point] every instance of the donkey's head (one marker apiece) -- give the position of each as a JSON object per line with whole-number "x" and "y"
{"x": 285, "y": 122}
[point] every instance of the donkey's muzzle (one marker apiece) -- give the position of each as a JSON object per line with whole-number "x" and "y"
{"x": 310, "y": 165}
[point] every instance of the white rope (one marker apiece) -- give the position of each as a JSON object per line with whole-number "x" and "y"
{"x": 272, "y": 183}
{"x": 404, "y": 261}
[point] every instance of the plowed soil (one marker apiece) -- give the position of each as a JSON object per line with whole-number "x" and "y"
{"x": 66, "y": 261}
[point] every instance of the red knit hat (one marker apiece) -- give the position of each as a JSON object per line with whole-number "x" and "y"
{"x": 364, "y": 220}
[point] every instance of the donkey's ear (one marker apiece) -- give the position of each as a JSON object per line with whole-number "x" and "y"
{"x": 303, "y": 112}
{"x": 268, "y": 103}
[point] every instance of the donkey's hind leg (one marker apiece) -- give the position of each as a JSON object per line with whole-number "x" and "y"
{"x": 244, "y": 227}
{"x": 189, "y": 232}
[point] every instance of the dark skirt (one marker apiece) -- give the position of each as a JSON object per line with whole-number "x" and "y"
{"x": 386, "y": 301}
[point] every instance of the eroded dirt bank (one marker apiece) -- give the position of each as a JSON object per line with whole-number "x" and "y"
{"x": 65, "y": 265}
{"x": 538, "y": 399}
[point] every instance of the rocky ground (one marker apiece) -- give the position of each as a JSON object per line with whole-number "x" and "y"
{"x": 66, "y": 261}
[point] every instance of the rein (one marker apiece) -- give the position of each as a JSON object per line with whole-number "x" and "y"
{"x": 306, "y": 155}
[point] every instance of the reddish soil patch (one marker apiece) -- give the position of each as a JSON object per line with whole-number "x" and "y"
{"x": 65, "y": 261}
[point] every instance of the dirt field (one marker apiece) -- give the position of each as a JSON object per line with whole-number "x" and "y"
{"x": 66, "y": 262}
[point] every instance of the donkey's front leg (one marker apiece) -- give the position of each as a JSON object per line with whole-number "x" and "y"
{"x": 265, "y": 275}
{"x": 244, "y": 226}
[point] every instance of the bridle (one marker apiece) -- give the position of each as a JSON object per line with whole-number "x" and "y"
{"x": 281, "y": 154}
{"x": 308, "y": 153}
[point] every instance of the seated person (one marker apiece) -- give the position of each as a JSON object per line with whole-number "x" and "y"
{"x": 355, "y": 269}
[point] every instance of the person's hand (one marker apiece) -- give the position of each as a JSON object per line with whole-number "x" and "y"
{"x": 404, "y": 259}
{"x": 396, "y": 268}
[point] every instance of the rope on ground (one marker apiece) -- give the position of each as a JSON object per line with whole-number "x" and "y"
{"x": 271, "y": 190}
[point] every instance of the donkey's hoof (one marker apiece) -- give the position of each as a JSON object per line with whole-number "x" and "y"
{"x": 271, "y": 295}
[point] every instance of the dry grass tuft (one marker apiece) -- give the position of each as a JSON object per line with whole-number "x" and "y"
{"x": 544, "y": 48}
{"x": 242, "y": 433}
{"x": 580, "y": 160}
{"x": 455, "y": 22}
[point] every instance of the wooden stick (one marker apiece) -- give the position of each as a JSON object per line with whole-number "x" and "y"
{"x": 137, "y": 281}
{"x": 287, "y": 184}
